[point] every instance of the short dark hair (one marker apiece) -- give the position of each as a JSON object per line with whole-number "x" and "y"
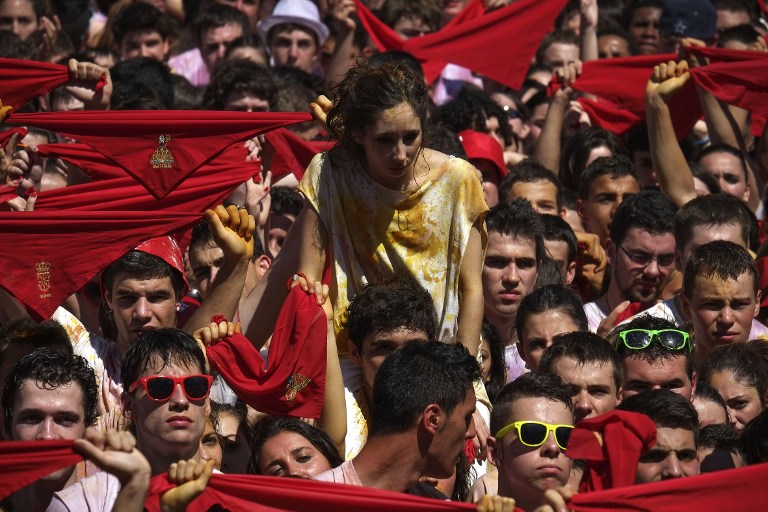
{"x": 271, "y": 426}
{"x": 24, "y": 330}
{"x": 552, "y": 298}
{"x": 426, "y": 11}
{"x": 147, "y": 71}
{"x": 52, "y": 369}
{"x": 615, "y": 167}
{"x": 530, "y": 170}
{"x": 238, "y": 76}
{"x": 141, "y": 265}
{"x": 754, "y": 440}
{"x": 549, "y": 273}
{"x": 728, "y": 149}
{"x": 745, "y": 34}
{"x": 648, "y": 210}
{"x": 140, "y": 17}
{"x": 170, "y": 346}
{"x": 286, "y": 201}
{"x": 707, "y": 393}
{"x": 743, "y": 362}
{"x": 518, "y": 220}
{"x": 665, "y": 408}
{"x": 395, "y": 303}
{"x": 415, "y": 376}
{"x": 560, "y": 35}
{"x": 721, "y": 260}
{"x": 469, "y": 110}
{"x": 655, "y": 352}
{"x": 557, "y": 230}
{"x": 585, "y": 348}
{"x": 217, "y": 15}
{"x": 545, "y": 386}
{"x": 710, "y": 211}
{"x": 576, "y": 153}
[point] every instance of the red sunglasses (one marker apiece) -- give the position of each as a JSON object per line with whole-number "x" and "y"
{"x": 160, "y": 388}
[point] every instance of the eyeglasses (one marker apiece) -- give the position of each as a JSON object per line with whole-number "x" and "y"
{"x": 638, "y": 339}
{"x": 534, "y": 433}
{"x": 160, "y": 388}
{"x": 644, "y": 259}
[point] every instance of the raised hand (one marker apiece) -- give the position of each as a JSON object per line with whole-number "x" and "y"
{"x": 668, "y": 79}
{"x": 232, "y": 229}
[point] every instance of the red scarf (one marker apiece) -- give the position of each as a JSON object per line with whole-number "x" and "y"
{"x": 22, "y": 80}
{"x": 293, "y": 154}
{"x": 294, "y": 383}
{"x": 90, "y": 161}
{"x": 132, "y": 138}
{"x": 25, "y": 462}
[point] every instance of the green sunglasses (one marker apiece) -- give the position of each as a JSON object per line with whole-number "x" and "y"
{"x": 534, "y": 433}
{"x": 638, "y": 339}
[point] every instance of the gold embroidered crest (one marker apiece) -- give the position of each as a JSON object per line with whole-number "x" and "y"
{"x": 162, "y": 158}
{"x": 43, "y": 269}
{"x": 296, "y": 383}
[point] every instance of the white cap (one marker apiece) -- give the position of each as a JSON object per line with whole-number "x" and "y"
{"x": 299, "y": 12}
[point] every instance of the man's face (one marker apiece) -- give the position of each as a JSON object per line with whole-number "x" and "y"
{"x": 643, "y": 164}
{"x": 245, "y": 102}
{"x": 538, "y": 333}
{"x": 535, "y": 124}
{"x": 450, "y": 439}
{"x": 722, "y": 311}
{"x": 144, "y": 44}
{"x": 639, "y": 278}
{"x": 704, "y": 234}
{"x": 278, "y": 230}
{"x": 18, "y": 16}
{"x": 295, "y": 48}
{"x": 248, "y": 7}
{"x": 641, "y": 375}
{"x": 612, "y": 47}
{"x": 525, "y": 472}
{"x": 140, "y": 305}
{"x": 729, "y": 173}
{"x": 409, "y": 25}
{"x": 673, "y": 456}
{"x": 378, "y": 346}
{"x": 558, "y": 251}
{"x": 644, "y": 30}
{"x": 605, "y": 195}
{"x": 509, "y": 273}
{"x": 213, "y": 43}
{"x": 541, "y": 194}
{"x": 592, "y": 386}
{"x": 205, "y": 260}
{"x": 170, "y": 428}
{"x": 560, "y": 54}
{"x": 41, "y": 413}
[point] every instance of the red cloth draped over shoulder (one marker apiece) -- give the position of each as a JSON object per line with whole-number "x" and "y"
{"x": 23, "y": 80}
{"x": 611, "y": 444}
{"x": 294, "y": 382}
{"x": 293, "y": 154}
{"x": 25, "y": 462}
{"x": 132, "y": 137}
{"x": 52, "y": 254}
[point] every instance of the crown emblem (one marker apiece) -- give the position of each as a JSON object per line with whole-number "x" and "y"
{"x": 43, "y": 269}
{"x": 162, "y": 158}
{"x": 295, "y": 384}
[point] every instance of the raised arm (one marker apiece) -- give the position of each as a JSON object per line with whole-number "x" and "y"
{"x": 549, "y": 145}
{"x": 471, "y": 288}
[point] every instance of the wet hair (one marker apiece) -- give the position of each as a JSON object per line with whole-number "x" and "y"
{"x": 518, "y": 220}
{"x": 238, "y": 76}
{"x": 395, "y": 303}
{"x": 169, "y": 346}
{"x": 721, "y": 260}
{"x": 549, "y": 273}
{"x": 545, "y": 386}
{"x": 615, "y": 167}
{"x": 710, "y": 212}
{"x": 497, "y": 377}
{"x": 743, "y": 362}
{"x": 560, "y": 35}
{"x": 655, "y": 352}
{"x": 470, "y": 110}
{"x": 754, "y": 440}
{"x": 584, "y": 348}
{"x": 52, "y": 370}
{"x": 557, "y": 230}
{"x": 647, "y": 210}
{"x": 552, "y": 298}
{"x": 417, "y": 375}
{"x": 745, "y": 34}
{"x": 665, "y": 408}
{"x": 394, "y": 58}
{"x": 530, "y": 170}
{"x": 286, "y": 201}
{"x": 216, "y": 16}
{"x": 271, "y": 426}
{"x": 142, "y": 266}
{"x": 727, "y": 149}
{"x": 707, "y": 393}
{"x": 25, "y": 331}
{"x": 365, "y": 93}
{"x": 425, "y": 11}
{"x": 150, "y": 72}
{"x": 140, "y": 17}
{"x": 576, "y": 153}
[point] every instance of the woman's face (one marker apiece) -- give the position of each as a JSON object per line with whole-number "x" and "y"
{"x": 210, "y": 448}
{"x": 236, "y": 452}
{"x": 291, "y": 454}
{"x": 485, "y": 356}
{"x": 742, "y": 400}
{"x": 391, "y": 146}
{"x": 19, "y": 17}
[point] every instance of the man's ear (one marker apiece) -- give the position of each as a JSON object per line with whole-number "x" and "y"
{"x": 432, "y": 418}
{"x": 580, "y": 208}
{"x": 757, "y": 304}
{"x": 521, "y": 352}
{"x": 355, "y": 354}
{"x": 108, "y": 299}
{"x": 127, "y": 400}
{"x": 262, "y": 265}
{"x": 619, "y": 395}
{"x": 694, "y": 381}
{"x": 494, "y": 451}
{"x": 570, "y": 273}
{"x": 610, "y": 251}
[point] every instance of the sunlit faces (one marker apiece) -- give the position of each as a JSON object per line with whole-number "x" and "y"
{"x": 729, "y": 171}
{"x": 604, "y": 196}
{"x": 704, "y": 234}
{"x": 144, "y": 43}
{"x": 210, "y": 447}
{"x": 641, "y": 375}
{"x": 140, "y": 305}
{"x": 722, "y": 311}
{"x": 525, "y": 472}
{"x": 245, "y": 102}
{"x": 742, "y": 401}
{"x": 538, "y": 333}
{"x": 234, "y": 437}
{"x": 410, "y": 25}
{"x": 42, "y": 413}
{"x": 644, "y": 30}
{"x": 560, "y": 54}
{"x": 642, "y": 264}
{"x": 542, "y": 195}
{"x": 391, "y": 146}
{"x": 592, "y": 385}
{"x": 378, "y": 346}
{"x": 673, "y": 456}
{"x": 291, "y": 454}
{"x": 295, "y": 48}
{"x": 509, "y": 274}
{"x": 205, "y": 260}
{"x": 710, "y": 413}
{"x": 18, "y": 16}
{"x": 213, "y": 43}
{"x": 611, "y": 46}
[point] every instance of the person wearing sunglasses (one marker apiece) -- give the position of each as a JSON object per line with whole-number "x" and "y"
{"x": 654, "y": 355}
{"x": 531, "y": 422}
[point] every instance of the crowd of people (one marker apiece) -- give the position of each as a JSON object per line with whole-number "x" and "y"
{"x": 512, "y": 291}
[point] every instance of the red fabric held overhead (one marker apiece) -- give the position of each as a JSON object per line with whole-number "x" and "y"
{"x": 293, "y": 154}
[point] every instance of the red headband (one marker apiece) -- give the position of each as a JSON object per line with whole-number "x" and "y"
{"x": 480, "y": 146}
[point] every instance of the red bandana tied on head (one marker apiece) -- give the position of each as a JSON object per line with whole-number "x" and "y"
{"x": 480, "y": 146}
{"x": 160, "y": 148}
